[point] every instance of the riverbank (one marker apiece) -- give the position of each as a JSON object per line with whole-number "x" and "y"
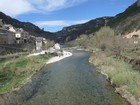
{"x": 17, "y": 72}
{"x": 58, "y": 58}
{"x": 73, "y": 81}
{"x": 120, "y": 74}
{"x": 23, "y": 76}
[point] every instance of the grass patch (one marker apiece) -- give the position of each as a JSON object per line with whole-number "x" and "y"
{"x": 16, "y": 72}
{"x": 119, "y": 72}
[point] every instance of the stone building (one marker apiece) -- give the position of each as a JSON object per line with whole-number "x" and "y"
{"x": 1, "y": 23}
{"x": 12, "y": 29}
{"x": 21, "y": 36}
{"x": 57, "y": 46}
{"x": 7, "y": 37}
{"x": 38, "y": 42}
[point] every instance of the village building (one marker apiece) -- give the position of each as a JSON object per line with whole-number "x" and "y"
{"x": 39, "y": 43}
{"x": 7, "y": 37}
{"x": 6, "y": 26}
{"x": 12, "y": 29}
{"x": 25, "y": 37}
{"x": 21, "y": 36}
{"x": 44, "y": 40}
{"x": 18, "y": 37}
{"x": 57, "y": 46}
{"x": 9, "y": 27}
{"x": 134, "y": 34}
{"x": 1, "y": 23}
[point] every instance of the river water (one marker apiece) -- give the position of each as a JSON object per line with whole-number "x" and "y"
{"x": 73, "y": 81}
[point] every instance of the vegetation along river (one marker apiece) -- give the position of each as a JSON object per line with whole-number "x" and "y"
{"x": 73, "y": 81}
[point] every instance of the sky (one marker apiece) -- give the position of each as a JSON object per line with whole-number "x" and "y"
{"x": 53, "y": 15}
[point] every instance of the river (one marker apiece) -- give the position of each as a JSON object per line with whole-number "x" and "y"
{"x": 73, "y": 81}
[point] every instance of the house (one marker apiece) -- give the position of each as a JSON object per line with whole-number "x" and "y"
{"x": 1, "y": 23}
{"x": 25, "y": 37}
{"x": 57, "y": 46}
{"x": 6, "y": 26}
{"x": 12, "y": 29}
{"x": 18, "y": 36}
{"x": 7, "y": 37}
{"x": 133, "y": 34}
{"x": 45, "y": 40}
{"x": 38, "y": 43}
{"x": 21, "y": 36}
{"x": 9, "y": 27}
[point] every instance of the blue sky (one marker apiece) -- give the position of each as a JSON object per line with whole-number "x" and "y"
{"x": 53, "y": 15}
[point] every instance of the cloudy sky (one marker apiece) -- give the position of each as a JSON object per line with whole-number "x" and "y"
{"x": 53, "y": 15}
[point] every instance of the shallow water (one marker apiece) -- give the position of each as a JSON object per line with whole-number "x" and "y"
{"x": 73, "y": 81}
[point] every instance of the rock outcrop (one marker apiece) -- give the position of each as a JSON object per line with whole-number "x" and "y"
{"x": 74, "y": 31}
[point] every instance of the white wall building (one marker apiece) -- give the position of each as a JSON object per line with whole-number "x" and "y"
{"x": 11, "y": 29}
{"x": 57, "y": 46}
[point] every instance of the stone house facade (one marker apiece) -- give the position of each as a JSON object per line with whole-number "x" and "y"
{"x": 1, "y": 23}
{"x": 22, "y": 36}
{"x": 7, "y": 37}
{"x": 39, "y": 43}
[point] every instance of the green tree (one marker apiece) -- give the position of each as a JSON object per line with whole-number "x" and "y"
{"x": 102, "y": 36}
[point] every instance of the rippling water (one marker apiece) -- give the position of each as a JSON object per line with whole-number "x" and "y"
{"x": 73, "y": 81}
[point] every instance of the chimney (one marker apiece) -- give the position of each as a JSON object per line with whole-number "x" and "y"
{"x": 138, "y": 3}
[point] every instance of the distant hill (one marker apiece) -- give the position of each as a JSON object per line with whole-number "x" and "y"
{"x": 27, "y": 26}
{"x": 127, "y": 21}
{"x": 74, "y": 31}
{"x": 122, "y": 23}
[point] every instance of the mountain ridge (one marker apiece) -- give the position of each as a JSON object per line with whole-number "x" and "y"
{"x": 74, "y": 31}
{"x": 127, "y": 21}
{"x": 27, "y": 26}
{"x": 123, "y": 23}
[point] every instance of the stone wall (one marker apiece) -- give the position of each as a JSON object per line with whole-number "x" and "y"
{"x": 13, "y": 48}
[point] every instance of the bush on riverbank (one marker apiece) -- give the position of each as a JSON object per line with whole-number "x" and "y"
{"x": 16, "y": 72}
{"x": 110, "y": 51}
{"x": 120, "y": 73}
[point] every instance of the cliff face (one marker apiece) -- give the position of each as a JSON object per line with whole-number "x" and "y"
{"x": 74, "y": 31}
{"x": 122, "y": 23}
{"x": 127, "y": 21}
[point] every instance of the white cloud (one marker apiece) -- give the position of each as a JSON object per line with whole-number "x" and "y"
{"x": 53, "y": 5}
{"x": 17, "y": 7}
{"x": 62, "y": 23}
{"x": 51, "y": 23}
{"x": 81, "y": 21}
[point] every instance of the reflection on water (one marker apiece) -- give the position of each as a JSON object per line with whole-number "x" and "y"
{"x": 73, "y": 81}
